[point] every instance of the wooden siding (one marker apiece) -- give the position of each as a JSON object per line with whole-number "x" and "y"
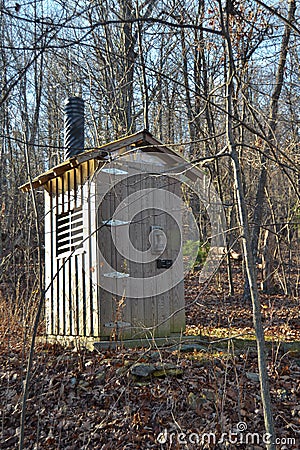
{"x": 127, "y": 316}
{"x": 76, "y": 302}
{"x": 71, "y": 300}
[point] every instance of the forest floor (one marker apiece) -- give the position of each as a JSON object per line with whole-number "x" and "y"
{"x": 193, "y": 396}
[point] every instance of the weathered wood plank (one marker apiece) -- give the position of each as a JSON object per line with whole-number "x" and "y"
{"x": 105, "y": 203}
{"x": 90, "y": 205}
{"x": 176, "y": 294}
{"x": 48, "y": 257}
{"x": 122, "y": 262}
{"x": 135, "y": 296}
{"x": 149, "y": 270}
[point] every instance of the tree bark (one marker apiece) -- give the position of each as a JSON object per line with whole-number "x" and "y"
{"x": 245, "y": 236}
{"x": 272, "y": 123}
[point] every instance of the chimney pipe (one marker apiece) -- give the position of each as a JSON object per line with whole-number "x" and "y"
{"x": 73, "y": 126}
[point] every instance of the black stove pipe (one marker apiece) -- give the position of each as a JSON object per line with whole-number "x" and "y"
{"x": 73, "y": 126}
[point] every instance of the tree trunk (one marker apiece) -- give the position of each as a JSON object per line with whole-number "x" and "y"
{"x": 245, "y": 236}
{"x": 272, "y": 123}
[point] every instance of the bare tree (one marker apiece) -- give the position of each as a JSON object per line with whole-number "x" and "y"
{"x": 271, "y": 132}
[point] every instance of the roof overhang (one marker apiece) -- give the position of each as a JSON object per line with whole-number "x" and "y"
{"x": 142, "y": 139}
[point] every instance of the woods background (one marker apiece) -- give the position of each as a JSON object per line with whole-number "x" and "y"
{"x": 165, "y": 66}
{"x": 217, "y": 80}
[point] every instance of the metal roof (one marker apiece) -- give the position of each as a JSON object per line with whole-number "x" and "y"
{"x": 138, "y": 140}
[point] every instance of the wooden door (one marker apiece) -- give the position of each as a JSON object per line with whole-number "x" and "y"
{"x": 142, "y": 308}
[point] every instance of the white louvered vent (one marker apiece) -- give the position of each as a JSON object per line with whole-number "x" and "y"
{"x": 69, "y": 231}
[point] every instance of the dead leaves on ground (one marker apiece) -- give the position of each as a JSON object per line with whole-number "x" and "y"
{"x": 124, "y": 399}
{"x": 128, "y": 399}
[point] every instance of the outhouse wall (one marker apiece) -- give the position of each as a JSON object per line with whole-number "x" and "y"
{"x": 138, "y": 314}
{"x": 77, "y": 304}
{"x": 71, "y": 307}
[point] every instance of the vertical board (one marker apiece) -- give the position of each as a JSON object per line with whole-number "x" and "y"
{"x": 60, "y": 267}
{"x": 176, "y": 294}
{"x": 87, "y": 259}
{"x": 136, "y": 305}
{"x": 162, "y": 219}
{"x": 122, "y": 302}
{"x": 67, "y": 289}
{"x": 91, "y": 263}
{"x": 103, "y": 236}
{"x": 49, "y": 260}
{"x": 106, "y": 200}
{"x": 72, "y": 263}
{"x": 149, "y": 218}
{"x": 80, "y": 295}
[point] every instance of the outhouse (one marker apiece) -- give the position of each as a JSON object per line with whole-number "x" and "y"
{"x": 113, "y": 225}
